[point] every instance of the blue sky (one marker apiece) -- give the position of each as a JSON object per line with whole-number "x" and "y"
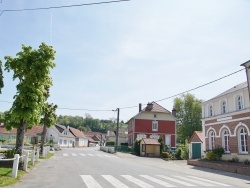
{"x": 119, "y": 55}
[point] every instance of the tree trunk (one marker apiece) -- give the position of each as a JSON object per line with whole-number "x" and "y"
{"x": 43, "y": 135}
{"x": 20, "y": 139}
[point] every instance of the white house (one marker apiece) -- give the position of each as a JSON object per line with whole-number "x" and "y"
{"x": 80, "y": 139}
{"x": 61, "y": 135}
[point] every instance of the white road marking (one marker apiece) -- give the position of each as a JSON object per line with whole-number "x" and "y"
{"x": 90, "y": 154}
{"x": 65, "y": 155}
{"x": 176, "y": 181}
{"x": 90, "y": 181}
{"x": 73, "y": 154}
{"x": 155, "y": 180}
{"x": 116, "y": 183}
{"x": 82, "y": 154}
{"x": 106, "y": 155}
{"x": 137, "y": 181}
{"x": 99, "y": 155}
{"x": 210, "y": 181}
{"x": 195, "y": 181}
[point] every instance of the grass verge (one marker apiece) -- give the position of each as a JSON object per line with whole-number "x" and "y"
{"x": 6, "y": 176}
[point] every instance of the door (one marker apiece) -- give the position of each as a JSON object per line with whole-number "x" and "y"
{"x": 196, "y": 150}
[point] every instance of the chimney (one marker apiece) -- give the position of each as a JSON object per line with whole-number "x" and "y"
{"x": 174, "y": 112}
{"x": 139, "y": 107}
{"x": 150, "y": 106}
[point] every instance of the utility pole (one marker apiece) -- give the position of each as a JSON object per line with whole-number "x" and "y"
{"x": 117, "y": 127}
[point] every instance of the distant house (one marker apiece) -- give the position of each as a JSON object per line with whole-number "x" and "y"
{"x": 226, "y": 121}
{"x": 61, "y": 135}
{"x": 196, "y": 145}
{"x": 80, "y": 139}
{"x": 95, "y": 138}
{"x": 122, "y": 136}
{"x": 11, "y": 135}
{"x": 153, "y": 121}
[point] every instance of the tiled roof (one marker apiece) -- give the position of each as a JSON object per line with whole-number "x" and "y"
{"x": 233, "y": 89}
{"x": 155, "y": 108}
{"x": 36, "y": 129}
{"x": 150, "y": 141}
{"x": 199, "y": 135}
{"x": 77, "y": 133}
{"x": 59, "y": 130}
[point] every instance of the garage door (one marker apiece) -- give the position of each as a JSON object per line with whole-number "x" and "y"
{"x": 196, "y": 150}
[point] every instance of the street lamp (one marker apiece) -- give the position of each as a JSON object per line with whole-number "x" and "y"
{"x": 117, "y": 126}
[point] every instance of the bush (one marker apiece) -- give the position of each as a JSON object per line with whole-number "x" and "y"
{"x": 178, "y": 154}
{"x": 211, "y": 156}
{"x": 137, "y": 147}
{"x": 246, "y": 161}
{"x": 165, "y": 155}
{"x": 235, "y": 160}
{"x": 10, "y": 153}
{"x": 218, "y": 151}
{"x": 110, "y": 143}
{"x": 124, "y": 144}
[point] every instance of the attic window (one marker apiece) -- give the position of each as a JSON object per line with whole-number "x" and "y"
{"x": 155, "y": 115}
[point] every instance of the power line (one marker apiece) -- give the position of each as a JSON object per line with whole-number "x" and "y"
{"x": 63, "y": 6}
{"x": 156, "y": 100}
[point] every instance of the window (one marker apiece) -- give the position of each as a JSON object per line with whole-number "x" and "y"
{"x": 223, "y": 107}
{"x": 239, "y": 103}
{"x": 65, "y": 142}
{"x": 140, "y": 136}
{"x": 155, "y": 136}
{"x": 155, "y": 126}
{"x": 60, "y": 141}
{"x": 211, "y": 140}
{"x": 225, "y": 141}
{"x": 243, "y": 140}
{"x": 210, "y": 111}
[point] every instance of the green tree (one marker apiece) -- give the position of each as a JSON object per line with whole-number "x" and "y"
{"x": 1, "y": 77}
{"x": 188, "y": 116}
{"x": 49, "y": 119}
{"x": 32, "y": 68}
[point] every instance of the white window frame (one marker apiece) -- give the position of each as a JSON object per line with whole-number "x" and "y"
{"x": 154, "y": 136}
{"x": 211, "y": 140}
{"x": 141, "y": 136}
{"x": 210, "y": 111}
{"x": 154, "y": 125}
{"x": 239, "y": 103}
{"x": 225, "y": 141}
{"x": 223, "y": 107}
{"x": 242, "y": 140}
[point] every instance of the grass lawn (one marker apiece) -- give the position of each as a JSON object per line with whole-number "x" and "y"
{"x": 6, "y": 176}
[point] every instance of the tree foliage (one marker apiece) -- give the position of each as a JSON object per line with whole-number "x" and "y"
{"x": 1, "y": 77}
{"x": 32, "y": 69}
{"x": 188, "y": 116}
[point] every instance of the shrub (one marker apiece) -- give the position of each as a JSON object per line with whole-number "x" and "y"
{"x": 218, "y": 151}
{"x": 110, "y": 143}
{"x": 137, "y": 147}
{"x": 246, "y": 161}
{"x": 211, "y": 156}
{"x": 10, "y": 153}
{"x": 235, "y": 160}
{"x": 124, "y": 144}
{"x": 165, "y": 155}
{"x": 178, "y": 154}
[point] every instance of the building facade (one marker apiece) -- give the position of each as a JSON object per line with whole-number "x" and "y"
{"x": 226, "y": 121}
{"x": 153, "y": 121}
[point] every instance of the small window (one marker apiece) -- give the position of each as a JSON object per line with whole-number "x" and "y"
{"x": 60, "y": 141}
{"x": 155, "y": 115}
{"x": 239, "y": 103}
{"x": 155, "y": 136}
{"x": 155, "y": 126}
{"x": 65, "y": 142}
{"x": 211, "y": 140}
{"x": 223, "y": 107}
{"x": 210, "y": 111}
{"x": 225, "y": 141}
{"x": 141, "y": 136}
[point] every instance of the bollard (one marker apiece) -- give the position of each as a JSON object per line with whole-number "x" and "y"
{"x": 44, "y": 151}
{"x": 37, "y": 154}
{"x": 15, "y": 166}
{"x": 26, "y": 160}
{"x": 33, "y": 156}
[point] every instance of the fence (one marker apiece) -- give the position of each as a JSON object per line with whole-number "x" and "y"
{"x": 34, "y": 157}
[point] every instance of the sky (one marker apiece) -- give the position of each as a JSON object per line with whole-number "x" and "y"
{"x": 118, "y": 55}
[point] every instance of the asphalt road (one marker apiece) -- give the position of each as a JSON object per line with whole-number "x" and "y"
{"x": 91, "y": 168}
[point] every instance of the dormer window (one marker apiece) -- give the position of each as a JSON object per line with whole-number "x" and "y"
{"x": 223, "y": 107}
{"x": 239, "y": 103}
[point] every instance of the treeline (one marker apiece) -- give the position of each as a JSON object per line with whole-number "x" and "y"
{"x": 88, "y": 123}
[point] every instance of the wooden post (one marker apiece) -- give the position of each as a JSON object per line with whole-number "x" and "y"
{"x": 15, "y": 166}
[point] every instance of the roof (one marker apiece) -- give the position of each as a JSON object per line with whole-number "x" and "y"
{"x": 150, "y": 141}
{"x": 233, "y": 89}
{"x": 36, "y": 129}
{"x": 198, "y": 135}
{"x": 155, "y": 108}
{"x": 59, "y": 130}
{"x": 77, "y": 133}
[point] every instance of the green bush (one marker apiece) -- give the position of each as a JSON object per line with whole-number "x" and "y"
{"x": 235, "y": 160}
{"x": 10, "y": 153}
{"x": 184, "y": 151}
{"x": 178, "y": 154}
{"x": 165, "y": 155}
{"x": 137, "y": 147}
{"x": 211, "y": 156}
{"x": 218, "y": 151}
{"x": 110, "y": 143}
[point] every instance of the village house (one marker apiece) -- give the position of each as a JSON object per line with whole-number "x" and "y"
{"x": 80, "y": 139}
{"x": 226, "y": 121}
{"x": 153, "y": 121}
{"x": 122, "y": 136}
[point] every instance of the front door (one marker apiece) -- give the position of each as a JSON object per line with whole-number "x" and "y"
{"x": 196, "y": 150}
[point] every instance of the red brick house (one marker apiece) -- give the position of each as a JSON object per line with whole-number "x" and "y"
{"x": 153, "y": 121}
{"x": 226, "y": 121}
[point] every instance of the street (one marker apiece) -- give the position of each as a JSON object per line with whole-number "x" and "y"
{"x": 91, "y": 168}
